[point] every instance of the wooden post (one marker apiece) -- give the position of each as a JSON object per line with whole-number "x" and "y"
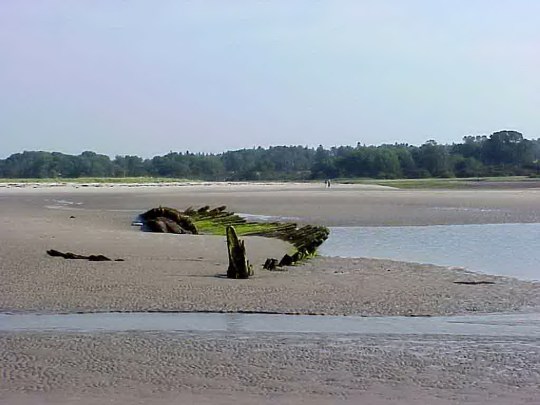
{"x": 239, "y": 266}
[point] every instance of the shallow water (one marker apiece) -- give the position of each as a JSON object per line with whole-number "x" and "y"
{"x": 501, "y": 249}
{"x": 478, "y": 325}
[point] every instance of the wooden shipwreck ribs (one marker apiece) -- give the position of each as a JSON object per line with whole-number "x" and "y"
{"x": 239, "y": 266}
{"x": 305, "y": 239}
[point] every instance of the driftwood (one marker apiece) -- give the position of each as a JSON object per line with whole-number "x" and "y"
{"x": 92, "y": 258}
{"x": 239, "y": 266}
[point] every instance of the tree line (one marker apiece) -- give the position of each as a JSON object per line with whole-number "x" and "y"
{"x": 503, "y": 153}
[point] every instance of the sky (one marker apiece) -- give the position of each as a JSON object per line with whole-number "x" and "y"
{"x": 147, "y": 77}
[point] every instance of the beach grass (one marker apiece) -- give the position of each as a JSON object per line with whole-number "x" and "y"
{"x": 435, "y": 183}
{"x": 86, "y": 180}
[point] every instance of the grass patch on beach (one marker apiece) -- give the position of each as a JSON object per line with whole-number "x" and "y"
{"x": 437, "y": 183}
{"x": 99, "y": 180}
{"x": 423, "y": 183}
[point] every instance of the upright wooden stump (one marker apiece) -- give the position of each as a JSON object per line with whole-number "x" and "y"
{"x": 239, "y": 266}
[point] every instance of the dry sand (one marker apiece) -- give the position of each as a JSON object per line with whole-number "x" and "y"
{"x": 185, "y": 273}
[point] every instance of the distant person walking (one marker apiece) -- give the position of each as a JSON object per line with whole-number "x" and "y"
{"x": 327, "y": 183}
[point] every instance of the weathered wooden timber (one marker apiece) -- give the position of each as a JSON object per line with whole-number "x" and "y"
{"x": 168, "y": 220}
{"x": 270, "y": 264}
{"x": 92, "y": 258}
{"x": 164, "y": 225}
{"x": 239, "y": 266}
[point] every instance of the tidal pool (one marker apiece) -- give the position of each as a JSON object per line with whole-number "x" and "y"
{"x": 500, "y": 249}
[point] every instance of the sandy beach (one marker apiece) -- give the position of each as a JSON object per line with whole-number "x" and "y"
{"x": 162, "y": 272}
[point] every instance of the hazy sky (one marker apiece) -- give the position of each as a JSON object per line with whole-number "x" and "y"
{"x": 147, "y": 77}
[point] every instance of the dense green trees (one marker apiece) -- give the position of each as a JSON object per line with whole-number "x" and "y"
{"x": 501, "y": 153}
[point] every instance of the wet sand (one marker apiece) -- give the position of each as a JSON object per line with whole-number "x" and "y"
{"x": 267, "y": 368}
{"x": 185, "y": 273}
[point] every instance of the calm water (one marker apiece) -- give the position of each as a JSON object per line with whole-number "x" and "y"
{"x": 478, "y": 325}
{"x": 501, "y": 249}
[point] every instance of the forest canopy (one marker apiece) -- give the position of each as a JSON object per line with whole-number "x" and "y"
{"x": 502, "y": 153}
